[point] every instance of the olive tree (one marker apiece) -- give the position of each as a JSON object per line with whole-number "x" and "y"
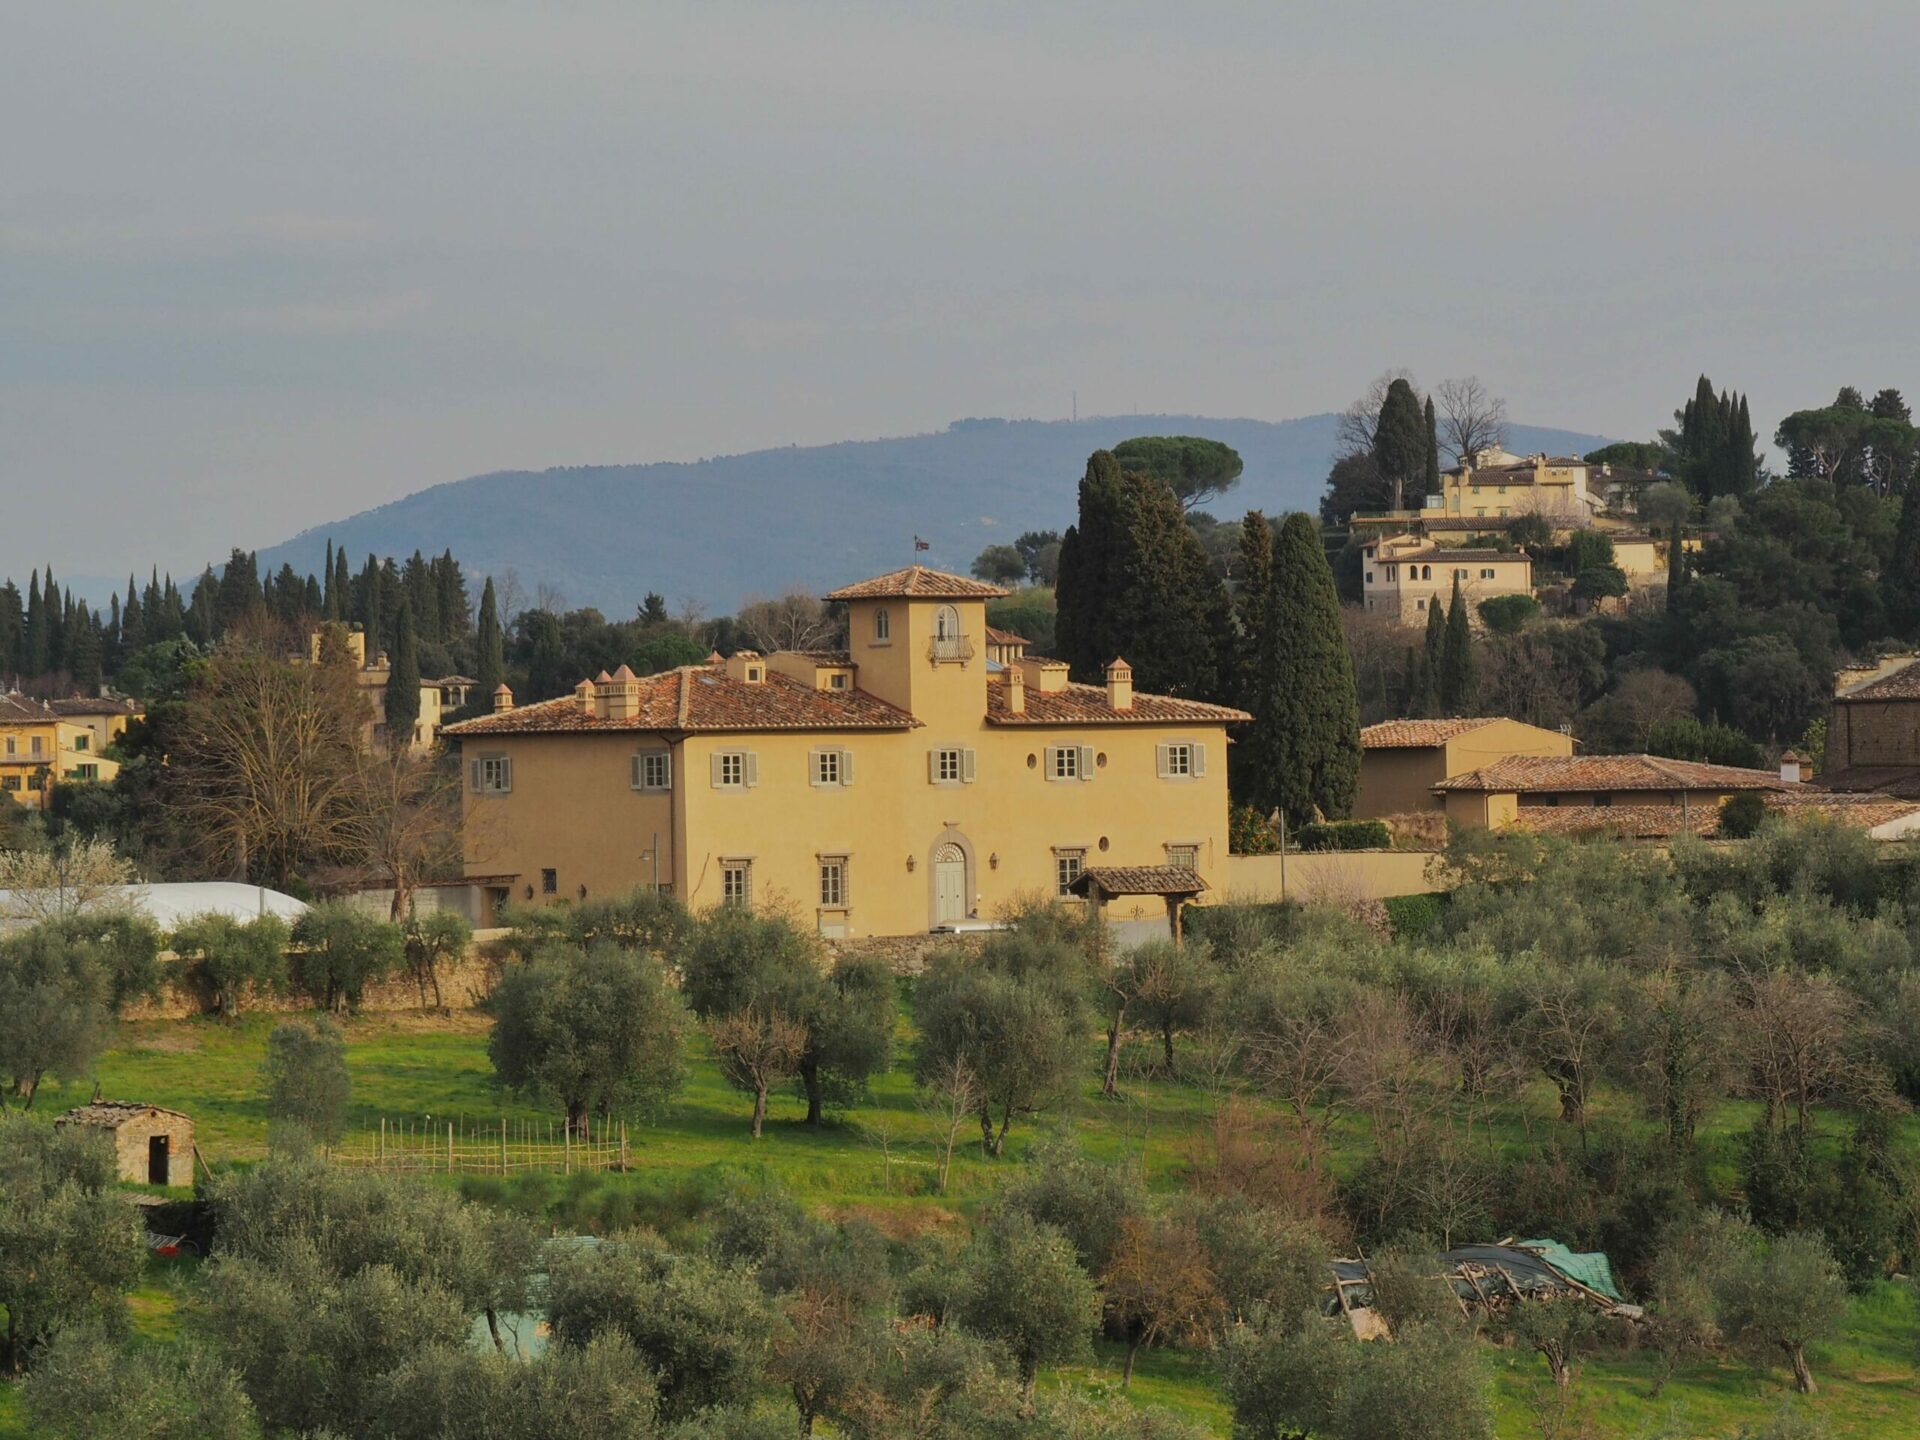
{"x": 339, "y": 951}
{"x": 1782, "y": 1295}
{"x": 431, "y": 942}
{"x": 86, "y": 1387}
{"x": 235, "y": 961}
{"x": 70, "y": 1245}
{"x": 55, "y": 1004}
{"x": 1019, "y": 1283}
{"x": 307, "y": 1083}
{"x": 594, "y": 1030}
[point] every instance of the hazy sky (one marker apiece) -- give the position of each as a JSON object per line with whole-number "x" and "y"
{"x": 264, "y": 264}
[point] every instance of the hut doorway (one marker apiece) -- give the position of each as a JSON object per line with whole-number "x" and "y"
{"x": 158, "y": 1159}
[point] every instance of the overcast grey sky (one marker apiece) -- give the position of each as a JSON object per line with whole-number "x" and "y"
{"x": 263, "y": 265}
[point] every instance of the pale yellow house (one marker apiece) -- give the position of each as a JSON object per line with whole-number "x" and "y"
{"x": 1402, "y": 760}
{"x": 375, "y": 674}
{"x": 40, "y": 748}
{"x": 1404, "y": 575}
{"x": 903, "y": 785}
{"x": 1503, "y": 487}
{"x": 105, "y": 717}
{"x": 1509, "y": 790}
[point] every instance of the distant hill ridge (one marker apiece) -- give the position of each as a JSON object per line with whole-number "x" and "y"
{"x": 722, "y": 530}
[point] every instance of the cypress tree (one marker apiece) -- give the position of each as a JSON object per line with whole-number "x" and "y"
{"x": 1400, "y": 440}
{"x": 34, "y": 660}
{"x": 342, "y": 588}
{"x": 1900, "y": 581}
{"x": 330, "y": 598}
{"x": 83, "y": 657}
{"x": 315, "y": 604}
{"x": 1456, "y": 660}
{"x": 403, "y": 680}
{"x": 455, "y": 615}
{"x": 199, "y": 622}
{"x": 133, "y": 625}
{"x": 490, "y": 649}
{"x": 1252, "y": 603}
{"x": 1433, "y": 658}
{"x": 1088, "y": 588}
{"x": 55, "y": 606}
{"x": 13, "y": 631}
{"x": 1433, "y": 451}
{"x": 1303, "y": 747}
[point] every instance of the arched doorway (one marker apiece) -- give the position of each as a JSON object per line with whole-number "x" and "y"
{"x": 950, "y": 889}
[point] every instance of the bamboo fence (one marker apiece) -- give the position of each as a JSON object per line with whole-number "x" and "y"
{"x": 463, "y": 1147}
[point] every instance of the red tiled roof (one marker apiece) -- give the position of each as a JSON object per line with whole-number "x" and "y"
{"x": 1138, "y": 880}
{"x": 98, "y": 705}
{"x": 1087, "y": 705}
{"x": 696, "y": 697}
{"x": 1653, "y": 822}
{"x": 1902, "y": 684}
{"x": 1898, "y": 780}
{"x": 19, "y": 710}
{"x": 917, "y": 582}
{"x": 1544, "y": 774}
{"x": 1005, "y": 637}
{"x": 1417, "y": 734}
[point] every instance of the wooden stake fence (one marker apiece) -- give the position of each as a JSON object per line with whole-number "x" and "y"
{"x": 512, "y": 1147}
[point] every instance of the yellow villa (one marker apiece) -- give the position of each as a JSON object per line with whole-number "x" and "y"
{"x": 1503, "y": 486}
{"x": 916, "y": 781}
{"x": 40, "y": 747}
{"x": 1404, "y": 575}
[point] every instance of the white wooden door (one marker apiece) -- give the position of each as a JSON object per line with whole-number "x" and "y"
{"x": 949, "y": 884}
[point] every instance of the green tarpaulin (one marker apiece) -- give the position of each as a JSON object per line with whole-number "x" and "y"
{"x": 1591, "y": 1270}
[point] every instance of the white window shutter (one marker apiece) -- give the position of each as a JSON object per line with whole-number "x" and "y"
{"x": 713, "y": 762}
{"x": 666, "y": 770}
{"x": 846, "y": 767}
{"x": 506, "y": 772}
{"x": 1050, "y": 758}
{"x": 966, "y": 765}
{"x": 1160, "y": 759}
{"x": 933, "y": 767}
{"x": 635, "y": 779}
{"x": 813, "y": 767}
{"x": 473, "y": 768}
{"x": 751, "y": 768}
{"x": 1199, "y": 760}
{"x": 1086, "y": 762}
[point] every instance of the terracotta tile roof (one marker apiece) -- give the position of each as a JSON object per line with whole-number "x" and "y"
{"x": 98, "y": 705}
{"x": 1138, "y": 880}
{"x": 918, "y": 582}
{"x": 1087, "y": 705}
{"x": 1902, "y": 684}
{"x": 113, "y": 1112}
{"x": 1545, "y": 774}
{"x": 19, "y": 710}
{"x": 699, "y": 698}
{"x": 1417, "y": 734}
{"x": 1005, "y": 637}
{"x": 1654, "y": 822}
{"x": 1902, "y": 781}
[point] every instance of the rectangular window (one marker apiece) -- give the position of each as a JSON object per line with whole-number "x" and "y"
{"x": 1419, "y": 604}
{"x": 736, "y": 882}
{"x": 549, "y": 882}
{"x": 1184, "y": 857}
{"x": 80, "y": 741}
{"x": 1486, "y": 574}
{"x": 493, "y": 774}
{"x": 830, "y": 767}
{"x": 37, "y": 780}
{"x": 1369, "y": 577}
{"x": 1180, "y": 760}
{"x": 9, "y": 782}
{"x": 1067, "y": 865}
{"x": 833, "y": 882}
{"x": 87, "y": 772}
{"x": 950, "y": 765}
{"x": 837, "y": 680}
{"x": 735, "y": 770}
{"x": 35, "y": 742}
{"x": 12, "y": 744}
{"x": 1480, "y": 510}
{"x": 1459, "y": 574}
{"x": 652, "y": 770}
{"x": 1069, "y": 762}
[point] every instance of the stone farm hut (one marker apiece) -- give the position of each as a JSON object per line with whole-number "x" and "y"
{"x": 151, "y": 1145}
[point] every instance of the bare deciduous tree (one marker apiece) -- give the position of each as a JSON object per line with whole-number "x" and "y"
{"x": 952, "y": 1098}
{"x": 402, "y": 825}
{"x": 796, "y": 621}
{"x": 1801, "y": 1032}
{"x": 1472, "y": 419}
{"x": 759, "y": 1048}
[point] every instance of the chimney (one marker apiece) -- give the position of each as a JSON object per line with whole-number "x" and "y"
{"x": 748, "y": 667}
{"x": 583, "y": 694}
{"x": 502, "y": 699}
{"x": 623, "y": 695}
{"x": 1790, "y": 768}
{"x": 1119, "y": 685}
{"x": 1049, "y": 677}
{"x": 1016, "y": 689}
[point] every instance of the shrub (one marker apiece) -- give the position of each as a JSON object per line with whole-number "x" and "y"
{"x": 1415, "y": 917}
{"x": 1508, "y": 614}
{"x": 1248, "y": 832}
{"x": 340, "y": 951}
{"x": 1742, "y": 816}
{"x": 1344, "y": 835}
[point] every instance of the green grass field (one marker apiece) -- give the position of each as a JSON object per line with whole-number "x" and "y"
{"x": 880, "y": 1162}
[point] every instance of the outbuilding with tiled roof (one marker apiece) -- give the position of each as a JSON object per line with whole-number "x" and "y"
{"x": 1402, "y": 760}
{"x": 1501, "y": 793}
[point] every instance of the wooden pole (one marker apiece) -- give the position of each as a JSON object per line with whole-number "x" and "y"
{"x": 503, "y": 1144}
{"x": 380, "y": 1154}
{"x": 449, "y": 1147}
{"x": 566, "y": 1147}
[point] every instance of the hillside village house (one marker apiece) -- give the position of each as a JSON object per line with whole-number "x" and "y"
{"x": 911, "y": 782}
{"x": 1402, "y": 760}
{"x": 40, "y": 747}
{"x": 1511, "y": 790}
{"x": 106, "y": 717}
{"x": 438, "y": 697}
{"x": 1502, "y": 486}
{"x": 1404, "y": 575}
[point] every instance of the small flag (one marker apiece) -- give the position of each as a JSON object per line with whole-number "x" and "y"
{"x": 919, "y": 545}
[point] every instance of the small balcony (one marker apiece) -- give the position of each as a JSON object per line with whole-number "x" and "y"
{"x": 957, "y": 649}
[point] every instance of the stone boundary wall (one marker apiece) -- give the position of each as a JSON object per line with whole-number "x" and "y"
{"x": 907, "y": 954}
{"x": 1337, "y": 876}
